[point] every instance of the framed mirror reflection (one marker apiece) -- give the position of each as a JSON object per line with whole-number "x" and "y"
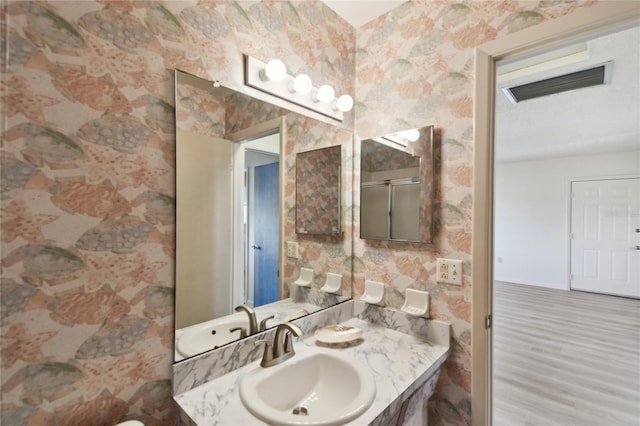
{"x": 235, "y": 159}
{"x": 318, "y": 175}
{"x": 396, "y": 192}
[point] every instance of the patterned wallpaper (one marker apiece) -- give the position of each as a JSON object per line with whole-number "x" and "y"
{"x": 318, "y": 191}
{"x": 87, "y": 187}
{"x": 415, "y": 67}
{"x": 198, "y": 111}
{"x": 87, "y": 177}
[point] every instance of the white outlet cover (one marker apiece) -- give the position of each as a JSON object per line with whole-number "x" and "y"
{"x": 292, "y": 249}
{"x": 454, "y": 271}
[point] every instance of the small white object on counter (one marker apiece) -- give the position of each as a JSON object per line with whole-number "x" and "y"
{"x": 338, "y": 334}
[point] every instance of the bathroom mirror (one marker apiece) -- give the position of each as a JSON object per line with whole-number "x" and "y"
{"x": 235, "y": 156}
{"x": 318, "y": 175}
{"x": 396, "y": 189}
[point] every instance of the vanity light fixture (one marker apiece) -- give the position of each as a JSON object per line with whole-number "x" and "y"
{"x": 344, "y": 103}
{"x": 301, "y": 84}
{"x": 275, "y": 70}
{"x": 272, "y": 78}
{"x": 412, "y": 135}
{"x": 324, "y": 94}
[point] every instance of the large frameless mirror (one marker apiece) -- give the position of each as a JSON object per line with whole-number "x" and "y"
{"x": 233, "y": 214}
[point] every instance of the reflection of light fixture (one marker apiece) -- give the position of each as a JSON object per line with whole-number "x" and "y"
{"x": 344, "y": 103}
{"x": 272, "y": 78}
{"x": 403, "y": 137}
{"x": 324, "y": 94}
{"x": 301, "y": 84}
{"x": 216, "y": 84}
{"x": 412, "y": 135}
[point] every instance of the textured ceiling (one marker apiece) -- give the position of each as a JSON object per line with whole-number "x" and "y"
{"x": 593, "y": 120}
{"x": 586, "y": 121}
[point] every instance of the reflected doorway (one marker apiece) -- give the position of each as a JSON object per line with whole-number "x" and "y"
{"x": 262, "y": 226}
{"x": 256, "y": 283}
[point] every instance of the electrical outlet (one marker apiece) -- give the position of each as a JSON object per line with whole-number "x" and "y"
{"x": 444, "y": 271}
{"x": 292, "y": 249}
{"x": 449, "y": 271}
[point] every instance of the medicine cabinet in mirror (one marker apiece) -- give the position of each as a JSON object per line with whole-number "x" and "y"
{"x": 396, "y": 193}
{"x": 235, "y": 155}
{"x": 318, "y": 175}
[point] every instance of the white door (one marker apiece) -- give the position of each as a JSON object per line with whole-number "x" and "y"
{"x": 605, "y": 230}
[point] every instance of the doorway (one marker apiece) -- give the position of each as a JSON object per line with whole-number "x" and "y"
{"x": 605, "y": 236}
{"x": 553, "y": 194}
{"x": 257, "y": 213}
{"x": 581, "y": 24}
{"x": 262, "y": 226}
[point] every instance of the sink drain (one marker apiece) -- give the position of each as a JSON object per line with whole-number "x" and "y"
{"x": 300, "y": 411}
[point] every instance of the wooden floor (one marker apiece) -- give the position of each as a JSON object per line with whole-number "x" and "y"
{"x": 565, "y": 358}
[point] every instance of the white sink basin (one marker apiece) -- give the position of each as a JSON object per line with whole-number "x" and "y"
{"x": 209, "y": 335}
{"x": 329, "y": 387}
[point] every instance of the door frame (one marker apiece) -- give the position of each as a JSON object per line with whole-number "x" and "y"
{"x": 581, "y": 24}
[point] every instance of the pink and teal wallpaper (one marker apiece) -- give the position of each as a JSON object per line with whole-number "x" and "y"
{"x": 88, "y": 177}
{"x": 415, "y": 67}
{"x": 317, "y": 201}
{"x": 88, "y": 180}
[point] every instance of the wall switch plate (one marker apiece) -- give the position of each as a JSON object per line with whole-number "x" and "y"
{"x": 449, "y": 271}
{"x": 292, "y": 249}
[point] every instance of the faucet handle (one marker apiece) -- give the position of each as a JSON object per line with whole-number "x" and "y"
{"x": 288, "y": 326}
{"x": 267, "y": 355}
{"x": 263, "y": 323}
{"x": 242, "y": 330}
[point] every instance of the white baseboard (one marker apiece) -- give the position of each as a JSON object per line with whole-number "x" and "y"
{"x": 533, "y": 283}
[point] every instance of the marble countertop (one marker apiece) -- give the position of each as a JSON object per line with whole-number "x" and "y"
{"x": 400, "y": 363}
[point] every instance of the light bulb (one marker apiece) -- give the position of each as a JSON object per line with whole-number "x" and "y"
{"x": 274, "y": 71}
{"x": 344, "y": 103}
{"x": 412, "y": 135}
{"x": 325, "y": 94}
{"x": 302, "y": 84}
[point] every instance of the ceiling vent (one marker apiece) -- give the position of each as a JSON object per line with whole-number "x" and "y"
{"x": 562, "y": 83}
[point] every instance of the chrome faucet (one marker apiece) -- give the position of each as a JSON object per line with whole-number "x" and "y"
{"x": 282, "y": 347}
{"x": 253, "y": 323}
